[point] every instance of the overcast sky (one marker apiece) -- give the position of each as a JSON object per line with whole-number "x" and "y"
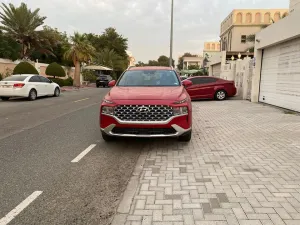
{"x": 146, "y": 23}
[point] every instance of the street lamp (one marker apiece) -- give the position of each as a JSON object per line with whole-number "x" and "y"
{"x": 171, "y": 34}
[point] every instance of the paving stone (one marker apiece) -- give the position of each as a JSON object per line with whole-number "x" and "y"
{"x": 240, "y": 168}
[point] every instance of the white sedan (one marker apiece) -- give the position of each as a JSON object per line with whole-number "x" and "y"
{"x": 27, "y": 85}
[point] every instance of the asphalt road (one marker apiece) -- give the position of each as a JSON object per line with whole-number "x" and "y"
{"x": 38, "y": 142}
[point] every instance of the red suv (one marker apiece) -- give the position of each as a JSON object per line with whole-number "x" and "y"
{"x": 147, "y": 102}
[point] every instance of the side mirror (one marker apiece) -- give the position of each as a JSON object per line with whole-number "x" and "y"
{"x": 187, "y": 83}
{"x": 112, "y": 83}
{"x": 50, "y": 81}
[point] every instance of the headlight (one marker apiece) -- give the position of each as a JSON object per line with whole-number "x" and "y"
{"x": 181, "y": 101}
{"x": 180, "y": 111}
{"x": 108, "y": 101}
{"x": 107, "y": 110}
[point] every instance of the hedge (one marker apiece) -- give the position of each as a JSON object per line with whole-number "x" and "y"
{"x": 55, "y": 70}
{"x": 25, "y": 68}
{"x": 62, "y": 82}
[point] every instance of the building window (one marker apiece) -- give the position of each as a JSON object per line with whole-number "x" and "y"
{"x": 257, "y": 18}
{"x": 208, "y": 46}
{"x": 248, "y": 18}
{"x": 239, "y": 18}
{"x": 243, "y": 38}
{"x": 213, "y": 46}
{"x": 277, "y": 16}
{"x": 267, "y": 18}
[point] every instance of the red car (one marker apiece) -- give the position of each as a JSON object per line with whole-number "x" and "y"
{"x": 205, "y": 87}
{"x": 147, "y": 102}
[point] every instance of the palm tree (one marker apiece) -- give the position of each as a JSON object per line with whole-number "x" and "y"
{"x": 108, "y": 57}
{"x": 20, "y": 23}
{"x": 80, "y": 51}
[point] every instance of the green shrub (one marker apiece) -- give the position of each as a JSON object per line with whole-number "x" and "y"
{"x": 89, "y": 75}
{"x": 55, "y": 70}
{"x": 62, "y": 82}
{"x": 25, "y": 68}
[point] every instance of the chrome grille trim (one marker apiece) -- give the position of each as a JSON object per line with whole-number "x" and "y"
{"x": 155, "y": 113}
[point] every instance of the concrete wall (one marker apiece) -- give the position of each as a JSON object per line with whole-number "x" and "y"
{"x": 7, "y": 67}
{"x": 289, "y": 29}
{"x": 294, "y": 5}
{"x": 237, "y": 32}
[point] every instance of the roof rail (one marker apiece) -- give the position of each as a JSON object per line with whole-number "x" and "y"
{"x": 130, "y": 67}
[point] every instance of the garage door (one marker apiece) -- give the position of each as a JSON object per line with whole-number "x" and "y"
{"x": 280, "y": 75}
{"x": 216, "y": 70}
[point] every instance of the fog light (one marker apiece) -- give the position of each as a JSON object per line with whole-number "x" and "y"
{"x": 108, "y": 110}
{"x": 180, "y": 111}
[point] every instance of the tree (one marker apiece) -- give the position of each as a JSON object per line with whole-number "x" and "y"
{"x": 20, "y": 23}
{"x": 9, "y": 48}
{"x": 108, "y": 57}
{"x": 25, "y": 68}
{"x": 81, "y": 51}
{"x": 140, "y": 63}
{"x": 180, "y": 61}
{"x": 59, "y": 44}
{"x": 55, "y": 70}
{"x": 111, "y": 40}
{"x": 164, "y": 61}
{"x": 194, "y": 67}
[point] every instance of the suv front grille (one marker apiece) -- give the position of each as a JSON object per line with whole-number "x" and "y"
{"x": 144, "y": 131}
{"x": 143, "y": 112}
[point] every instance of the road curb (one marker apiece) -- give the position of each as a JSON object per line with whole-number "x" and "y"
{"x": 129, "y": 193}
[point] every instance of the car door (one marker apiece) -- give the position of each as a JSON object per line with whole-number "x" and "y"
{"x": 206, "y": 88}
{"x": 35, "y": 82}
{"x": 193, "y": 90}
{"x": 47, "y": 85}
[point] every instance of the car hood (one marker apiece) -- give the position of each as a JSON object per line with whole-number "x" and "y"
{"x": 146, "y": 93}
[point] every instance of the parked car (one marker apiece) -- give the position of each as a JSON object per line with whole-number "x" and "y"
{"x": 207, "y": 87}
{"x": 183, "y": 77}
{"x": 27, "y": 85}
{"x": 103, "y": 80}
{"x": 147, "y": 102}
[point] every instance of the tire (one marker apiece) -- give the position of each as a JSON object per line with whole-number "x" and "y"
{"x": 186, "y": 137}
{"x": 220, "y": 95}
{"x": 4, "y": 98}
{"x": 56, "y": 92}
{"x": 106, "y": 137}
{"x": 32, "y": 95}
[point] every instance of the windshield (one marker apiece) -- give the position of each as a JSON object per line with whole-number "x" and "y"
{"x": 149, "y": 78}
{"x": 15, "y": 78}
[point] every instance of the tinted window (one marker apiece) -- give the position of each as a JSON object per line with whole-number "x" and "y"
{"x": 149, "y": 78}
{"x": 196, "y": 80}
{"x": 35, "y": 79}
{"x": 44, "y": 79}
{"x": 15, "y": 78}
{"x": 203, "y": 80}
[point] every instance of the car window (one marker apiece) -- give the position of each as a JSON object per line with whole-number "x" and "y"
{"x": 149, "y": 78}
{"x": 207, "y": 80}
{"x": 44, "y": 79}
{"x": 35, "y": 79}
{"x": 15, "y": 78}
{"x": 203, "y": 80}
{"x": 195, "y": 80}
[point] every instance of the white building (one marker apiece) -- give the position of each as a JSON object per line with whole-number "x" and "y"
{"x": 276, "y": 80}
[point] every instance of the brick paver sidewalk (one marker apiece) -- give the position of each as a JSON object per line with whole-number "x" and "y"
{"x": 241, "y": 168}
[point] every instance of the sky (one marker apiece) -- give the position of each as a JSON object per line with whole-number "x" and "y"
{"x": 146, "y": 23}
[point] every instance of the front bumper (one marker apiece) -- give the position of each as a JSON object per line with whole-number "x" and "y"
{"x": 179, "y": 126}
{"x": 179, "y": 132}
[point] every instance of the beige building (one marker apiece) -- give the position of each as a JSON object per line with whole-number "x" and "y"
{"x": 131, "y": 58}
{"x": 192, "y": 61}
{"x": 211, "y": 48}
{"x": 243, "y": 22}
{"x": 276, "y": 80}
{"x": 294, "y": 5}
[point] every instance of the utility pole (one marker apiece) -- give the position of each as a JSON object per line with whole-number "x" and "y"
{"x": 171, "y": 34}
